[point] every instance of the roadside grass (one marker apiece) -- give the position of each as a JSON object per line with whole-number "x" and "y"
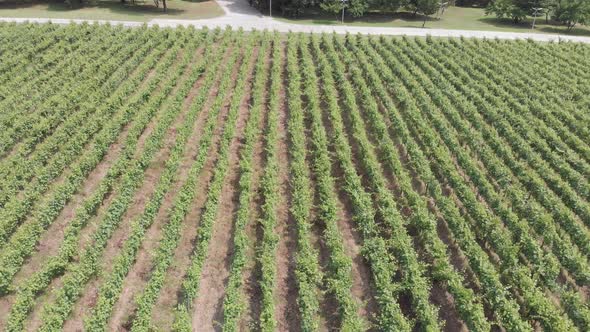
{"x": 141, "y": 10}
{"x": 459, "y": 18}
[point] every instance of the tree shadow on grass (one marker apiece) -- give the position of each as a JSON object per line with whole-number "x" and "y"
{"x": 138, "y": 9}
{"x": 584, "y": 32}
{"x": 322, "y": 17}
{"x": 505, "y": 23}
{"x": 16, "y": 5}
{"x": 525, "y": 26}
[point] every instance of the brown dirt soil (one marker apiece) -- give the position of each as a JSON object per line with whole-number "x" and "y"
{"x": 34, "y": 321}
{"x": 11, "y": 152}
{"x": 163, "y": 310}
{"x": 250, "y": 289}
{"x": 139, "y": 273}
{"x": 330, "y": 316}
{"x": 208, "y": 307}
{"x": 361, "y": 271}
{"x": 287, "y": 313}
{"x": 52, "y": 238}
{"x": 5, "y": 304}
{"x": 447, "y": 310}
{"x": 88, "y": 298}
{"x": 328, "y": 320}
{"x": 566, "y": 279}
{"x": 60, "y": 179}
{"x": 457, "y": 259}
{"x": 141, "y": 197}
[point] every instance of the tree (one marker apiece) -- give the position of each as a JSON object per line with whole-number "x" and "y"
{"x": 294, "y": 8}
{"x": 157, "y": 3}
{"x": 355, "y": 8}
{"x": 472, "y": 3}
{"x": 391, "y": 6}
{"x": 517, "y": 10}
{"x": 424, "y": 7}
{"x": 571, "y": 12}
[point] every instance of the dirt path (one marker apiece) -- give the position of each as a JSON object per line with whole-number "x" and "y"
{"x": 163, "y": 315}
{"x": 361, "y": 272}
{"x": 250, "y": 289}
{"x": 448, "y": 313}
{"x": 87, "y": 301}
{"x": 208, "y": 309}
{"x": 51, "y": 296}
{"x": 5, "y": 305}
{"x": 54, "y": 236}
{"x": 139, "y": 272}
{"x": 34, "y": 321}
{"x": 353, "y": 241}
{"x": 287, "y": 312}
{"x": 52, "y": 239}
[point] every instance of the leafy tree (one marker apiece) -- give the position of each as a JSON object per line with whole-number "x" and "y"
{"x": 517, "y": 10}
{"x": 547, "y": 8}
{"x": 472, "y": 3}
{"x": 355, "y": 8}
{"x": 424, "y": 7}
{"x": 388, "y": 5}
{"x": 294, "y": 8}
{"x": 572, "y": 12}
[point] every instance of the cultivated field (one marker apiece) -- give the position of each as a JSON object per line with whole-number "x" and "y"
{"x": 158, "y": 179}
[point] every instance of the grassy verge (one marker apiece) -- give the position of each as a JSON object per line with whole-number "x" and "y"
{"x": 141, "y": 10}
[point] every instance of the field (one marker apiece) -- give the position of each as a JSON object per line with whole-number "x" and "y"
{"x": 159, "y": 179}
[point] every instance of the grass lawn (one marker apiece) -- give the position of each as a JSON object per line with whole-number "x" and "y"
{"x": 141, "y": 11}
{"x": 453, "y": 18}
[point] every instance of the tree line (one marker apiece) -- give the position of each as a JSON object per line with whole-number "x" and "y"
{"x": 568, "y": 12}
{"x": 354, "y": 8}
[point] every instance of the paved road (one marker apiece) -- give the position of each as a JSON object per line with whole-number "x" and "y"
{"x": 238, "y": 14}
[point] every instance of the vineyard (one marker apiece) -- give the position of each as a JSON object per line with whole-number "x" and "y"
{"x": 183, "y": 179}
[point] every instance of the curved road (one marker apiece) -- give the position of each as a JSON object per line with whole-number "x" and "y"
{"x": 239, "y": 14}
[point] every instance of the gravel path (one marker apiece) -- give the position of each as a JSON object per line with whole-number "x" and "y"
{"x": 239, "y": 14}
